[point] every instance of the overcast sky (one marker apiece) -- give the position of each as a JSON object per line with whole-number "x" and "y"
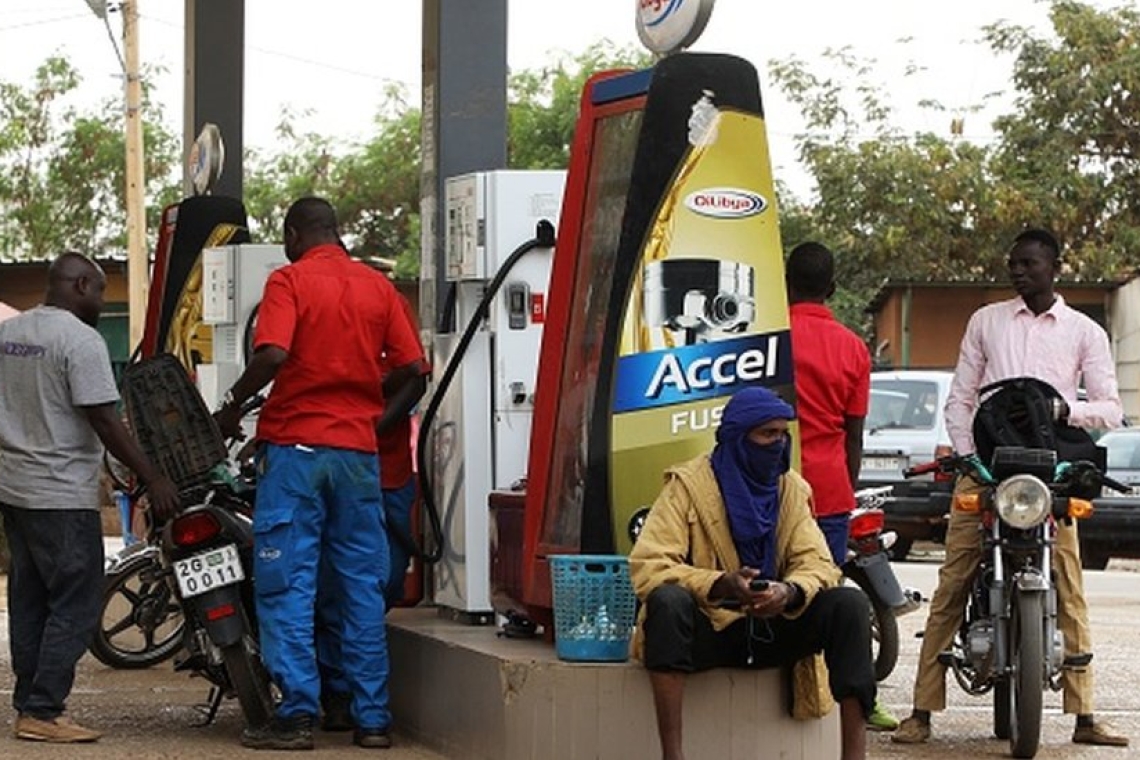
{"x": 334, "y": 57}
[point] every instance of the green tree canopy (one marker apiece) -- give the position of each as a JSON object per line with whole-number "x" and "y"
{"x": 1069, "y": 154}
{"x": 62, "y": 170}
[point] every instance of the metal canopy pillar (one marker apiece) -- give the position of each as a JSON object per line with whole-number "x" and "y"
{"x": 214, "y": 83}
{"x": 464, "y": 117}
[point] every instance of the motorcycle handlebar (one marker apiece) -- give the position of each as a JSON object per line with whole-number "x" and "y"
{"x": 923, "y": 469}
{"x": 1115, "y": 485}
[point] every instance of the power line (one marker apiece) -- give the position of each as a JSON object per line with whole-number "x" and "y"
{"x": 296, "y": 58}
{"x": 42, "y": 22}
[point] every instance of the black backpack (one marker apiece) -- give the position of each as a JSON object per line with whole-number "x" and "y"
{"x": 1019, "y": 412}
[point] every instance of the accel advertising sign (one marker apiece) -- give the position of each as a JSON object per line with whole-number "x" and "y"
{"x": 708, "y": 314}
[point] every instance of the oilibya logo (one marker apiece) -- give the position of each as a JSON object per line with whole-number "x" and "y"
{"x": 708, "y": 372}
{"x": 653, "y": 12}
{"x": 725, "y": 203}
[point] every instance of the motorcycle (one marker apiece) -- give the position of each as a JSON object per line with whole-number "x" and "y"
{"x": 208, "y": 550}
{"x": 187, "y": 589}
{"x": 1009, "y": 642}
{"x": 868, "y": 567}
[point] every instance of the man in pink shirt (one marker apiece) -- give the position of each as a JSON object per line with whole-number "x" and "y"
{"x": 1034, "y": 335}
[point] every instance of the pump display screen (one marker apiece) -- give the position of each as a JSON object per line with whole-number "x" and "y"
{"x": 615, "y": 146}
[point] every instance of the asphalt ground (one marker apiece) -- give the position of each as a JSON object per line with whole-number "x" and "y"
{"x": 963, "y": 730}
{"x": 152, "y": 713}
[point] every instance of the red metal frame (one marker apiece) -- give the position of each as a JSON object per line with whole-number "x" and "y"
{"x": 158, "y": 281}
{"x": 536, "y": 570}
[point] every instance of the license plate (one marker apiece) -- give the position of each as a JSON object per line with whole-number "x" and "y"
{"x": 208, "y": 570}
{"x": 883, "y": 463}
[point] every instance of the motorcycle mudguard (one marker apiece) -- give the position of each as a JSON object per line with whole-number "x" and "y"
{"x": 119, "y": 559}
{"x": 225, "y": 630}
{"x": 880, "y": 578}
{"x": 1030, "y": 581}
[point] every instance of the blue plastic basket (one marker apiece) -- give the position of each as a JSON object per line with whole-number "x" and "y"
{"x": 594, "y": 607}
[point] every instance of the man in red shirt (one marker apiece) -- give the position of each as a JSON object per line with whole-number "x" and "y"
{"x": 833, "y": 388}
{"x": 325, "y": 326}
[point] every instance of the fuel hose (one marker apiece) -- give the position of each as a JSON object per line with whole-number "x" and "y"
{"x": 544, "y": 238}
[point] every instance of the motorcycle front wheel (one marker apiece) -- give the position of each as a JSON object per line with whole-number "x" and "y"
{"x": 250, "y": 681}
{"x": 141, "y": 623}
{"x": 1028, "y": 676}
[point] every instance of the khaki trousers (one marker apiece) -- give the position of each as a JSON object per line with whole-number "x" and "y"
{"x": 948, "y": 607}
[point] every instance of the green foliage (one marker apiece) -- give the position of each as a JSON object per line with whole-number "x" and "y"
{"x": 301, "y": 165}
{"x": 1070, "y": 153}
{"x": 543, "y": 104}
{"x": 62, "y": 172}
{"x": 931, "y": 207}
{"x": 376, "y": 184}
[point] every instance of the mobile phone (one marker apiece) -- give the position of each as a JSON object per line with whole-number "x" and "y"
{"x": 758, "y": 584}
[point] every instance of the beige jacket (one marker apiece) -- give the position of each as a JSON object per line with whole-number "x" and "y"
{"x": 686, "y": 540}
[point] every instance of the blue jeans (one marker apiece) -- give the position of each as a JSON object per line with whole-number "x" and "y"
{"x": 398, "y": 514}
{"x": 398, "y": 511}
{"x": 314, "y": 505}
{"x": 55, "y": 594}
{"x": 835, "y": 529}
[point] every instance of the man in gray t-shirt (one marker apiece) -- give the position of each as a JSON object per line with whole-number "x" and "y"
{"x": 51, "y": 459}
{"x": 57, "y": 411}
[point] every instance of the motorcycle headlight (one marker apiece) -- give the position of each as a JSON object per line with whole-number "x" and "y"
{"x": 1023, "y": 501}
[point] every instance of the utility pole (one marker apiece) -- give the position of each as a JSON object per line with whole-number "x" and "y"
{"x": 138, "y": 269}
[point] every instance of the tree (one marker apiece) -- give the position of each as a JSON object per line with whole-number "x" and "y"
{"x": 543, "y": 104}
{"x": 1069, "y": 154}
{"x": 62, "y": 171}
{"x": 892, "y": 205}
{"x": 376, "y": 183}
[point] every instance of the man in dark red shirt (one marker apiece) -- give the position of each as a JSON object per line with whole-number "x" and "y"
{"x": 833, "y": 386}
{"x": 325, "y": 326}
{"x": 398, "y": 486}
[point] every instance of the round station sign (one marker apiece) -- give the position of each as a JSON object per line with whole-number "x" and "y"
{"x": 666, "y": 26}
{"x": 207, "y": 155}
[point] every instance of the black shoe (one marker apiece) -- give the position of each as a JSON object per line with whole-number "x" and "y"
{"x": 373, "y": 738}
{"x": 337, "y": 707}
{"x": 280, "y": 733}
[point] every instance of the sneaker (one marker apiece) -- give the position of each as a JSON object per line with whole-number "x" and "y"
{"x": 881, "y": 719}
{"x": 372, "y": 738}
{"x": 1099, "y": 733}
{"x": 57, "y": 730}
{"x": 280, "y": 733}
{"x": 337, "y": 708}
{"x": 911, "y": 731}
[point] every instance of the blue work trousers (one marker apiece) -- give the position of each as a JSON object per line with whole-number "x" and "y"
{"x": 835, "y": 529}
{"x": 398, "y": 515}
{"x": 319, "y": 504}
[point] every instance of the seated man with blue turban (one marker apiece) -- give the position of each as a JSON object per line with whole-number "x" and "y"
{"x": 722, "y": 521}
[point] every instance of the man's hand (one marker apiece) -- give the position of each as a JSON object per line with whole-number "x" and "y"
{"x": 163, "y": 497}
{"x": 769, "y": 602}
{"x": 229, "y": 422}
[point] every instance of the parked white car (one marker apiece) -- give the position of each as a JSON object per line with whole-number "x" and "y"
{"x": 905, "y": 425}
{"x": 1123, "y": 445}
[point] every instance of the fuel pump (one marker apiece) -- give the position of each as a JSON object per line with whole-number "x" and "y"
{"x": 477, "y": 426}
{"x": 233, "y": 278}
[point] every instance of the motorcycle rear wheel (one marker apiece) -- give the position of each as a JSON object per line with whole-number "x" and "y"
{"x": 884, "y": 630}
{"x": 141, "y": 622}
{"x": 250, "y": 681}
{"x": 1028, "y": 676}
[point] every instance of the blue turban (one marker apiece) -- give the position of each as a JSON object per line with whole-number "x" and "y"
{"x": 749, "y": 474}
